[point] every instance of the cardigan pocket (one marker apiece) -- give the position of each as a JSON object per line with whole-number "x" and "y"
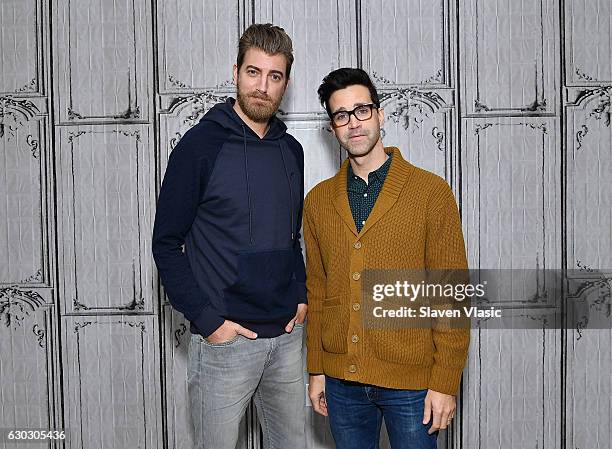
{"x": 403, "y": 346}
{"x": 334, "y": 325}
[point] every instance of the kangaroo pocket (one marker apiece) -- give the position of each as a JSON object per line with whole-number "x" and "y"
{"x": 265, "y": 287}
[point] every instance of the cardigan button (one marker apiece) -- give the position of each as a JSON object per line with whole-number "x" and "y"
{"x": 356, "y": 306}
{"x": 352, "y": 369}
{"x": 355, "y": 338}
{"x": 357, "y": 245}
{"x": 356, "y": 276}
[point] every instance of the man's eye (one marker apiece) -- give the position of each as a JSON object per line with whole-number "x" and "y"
{"x": 341, "y": 116}
{"x": 362, "y": 111}
{"x": 251, "y": 71}
{"x": 276, "y": 77}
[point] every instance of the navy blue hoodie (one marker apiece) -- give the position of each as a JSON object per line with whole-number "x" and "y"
{"x": 235, "y": 202}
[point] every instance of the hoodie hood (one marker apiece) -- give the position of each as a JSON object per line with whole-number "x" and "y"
{"x": 225, "y": 115}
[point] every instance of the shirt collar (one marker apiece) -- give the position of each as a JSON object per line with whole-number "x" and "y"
{"x": 380, "y": 173}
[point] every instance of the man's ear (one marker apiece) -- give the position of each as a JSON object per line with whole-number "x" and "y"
{"x": 381, "y": 116}
{"x": 235, "y": 74}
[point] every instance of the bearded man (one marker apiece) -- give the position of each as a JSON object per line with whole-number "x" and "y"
{"x": 232, "y": 197}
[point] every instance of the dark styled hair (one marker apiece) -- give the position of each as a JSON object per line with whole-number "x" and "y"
{"x": 344, "y": 77}
{"x": 270, "y": 38}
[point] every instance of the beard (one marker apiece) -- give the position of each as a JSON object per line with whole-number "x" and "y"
{"x": 362, "y": 147}
{"x": 259, "y": 112}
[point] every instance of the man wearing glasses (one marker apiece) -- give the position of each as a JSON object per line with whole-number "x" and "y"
{"x": 378, "y": 212}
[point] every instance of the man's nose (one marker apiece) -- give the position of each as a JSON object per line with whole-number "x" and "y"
{"x": 262, "y": 85}
{"x": 353, "y": 122}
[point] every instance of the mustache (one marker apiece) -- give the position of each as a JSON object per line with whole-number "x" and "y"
{"x": 260, "y": 96}
{"x": 355, "y": 134}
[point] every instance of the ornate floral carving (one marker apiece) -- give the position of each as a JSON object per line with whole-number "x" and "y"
{"x": 129, "y": 113}
{"x": 541, "y": 126}
{"x": 602, "y": 286}
{"x": 135, "y": 133}
{"x": 434, "y": 78}
{"x": 480, "y": 107}
{"x": 30, "y": 87}
{"x": 72, "y": 136}
{"x": 583, "y": 76}
{"x": 602, "y": 111}
{"x": 16, "y": 304}
{"x": 177, "y": 83}
{"x": 413, "y": 105}
{"x": 178, "y": 333}
{"x": 584, "y": 130}
{"x": 439, "y": 136}
{"x": 73, "y": 115}
{"x": 40, "y": 333}
{"x": 138, "y": 324}
{"x": 13, "y": 114}
{"x": 35, "y": 278}
{"x": 33, "y": 144}
{"x": 135, "y": 304}
{"x": 80, "y": 325}
{"x": 478, "y": 128}
{"x": 536, "y": 106}
{"x": 200, "y": 103}
{"x": 175, "y": 140}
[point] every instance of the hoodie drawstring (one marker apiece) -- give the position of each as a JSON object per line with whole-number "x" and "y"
{"x": 290, "y": 189}
{"x": 246, "y": 174}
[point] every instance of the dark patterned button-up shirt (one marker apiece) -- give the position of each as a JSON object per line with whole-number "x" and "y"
{"x": 361, "y": 195}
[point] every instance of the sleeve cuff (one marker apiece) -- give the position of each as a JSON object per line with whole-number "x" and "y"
{"x": 314, "y": 362}
{"x": 301, "y": 293}
{"x": 445, "y": 379}
{"x": 208, "y": 321}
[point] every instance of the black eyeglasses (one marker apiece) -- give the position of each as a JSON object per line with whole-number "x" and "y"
{"x": 361, "y": 113}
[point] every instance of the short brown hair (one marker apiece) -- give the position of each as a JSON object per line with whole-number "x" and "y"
{"x": 270, "y": 38}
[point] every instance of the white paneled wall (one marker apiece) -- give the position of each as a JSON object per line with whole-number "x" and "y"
{"x": 509, "y": 101}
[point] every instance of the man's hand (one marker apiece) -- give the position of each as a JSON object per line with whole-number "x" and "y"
{"x": 228, "y": 331}
{"x": 299, "y": 317}
{"x": 443, "y": 408}
{"x": 316, "y": 392}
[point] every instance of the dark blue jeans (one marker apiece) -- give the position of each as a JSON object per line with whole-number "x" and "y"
{"x": 356, "y": 412}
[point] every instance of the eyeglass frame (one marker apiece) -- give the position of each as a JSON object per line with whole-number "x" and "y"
{"x": 371, "y": 106}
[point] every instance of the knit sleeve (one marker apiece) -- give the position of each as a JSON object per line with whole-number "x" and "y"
{"x": 315, "y": 286}
{"x": 445, "y": 250}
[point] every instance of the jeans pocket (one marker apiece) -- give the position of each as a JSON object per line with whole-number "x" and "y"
{"x": 193, "y": 357}
{"x": 222, "y": 344}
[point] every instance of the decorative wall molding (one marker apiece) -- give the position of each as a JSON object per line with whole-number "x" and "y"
{"x": 486, "y": 37}
{"x": 30, "y": 87}
{"x": 598, "y": 102}
{"x": 16, "y": 304}
{"x": 13, "y": 114}
{"x": 478, "y": 128}
{"x": 40, "y": 335}
{"x": 137, "y": 304}
{"x": 110, "y": 86}
{"x": 179, "y": 333}
{"x": 36, "y": 278}
{"x": 197, "y": 105}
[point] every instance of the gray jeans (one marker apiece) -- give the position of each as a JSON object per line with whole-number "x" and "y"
{"x": 222, "y": 379}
